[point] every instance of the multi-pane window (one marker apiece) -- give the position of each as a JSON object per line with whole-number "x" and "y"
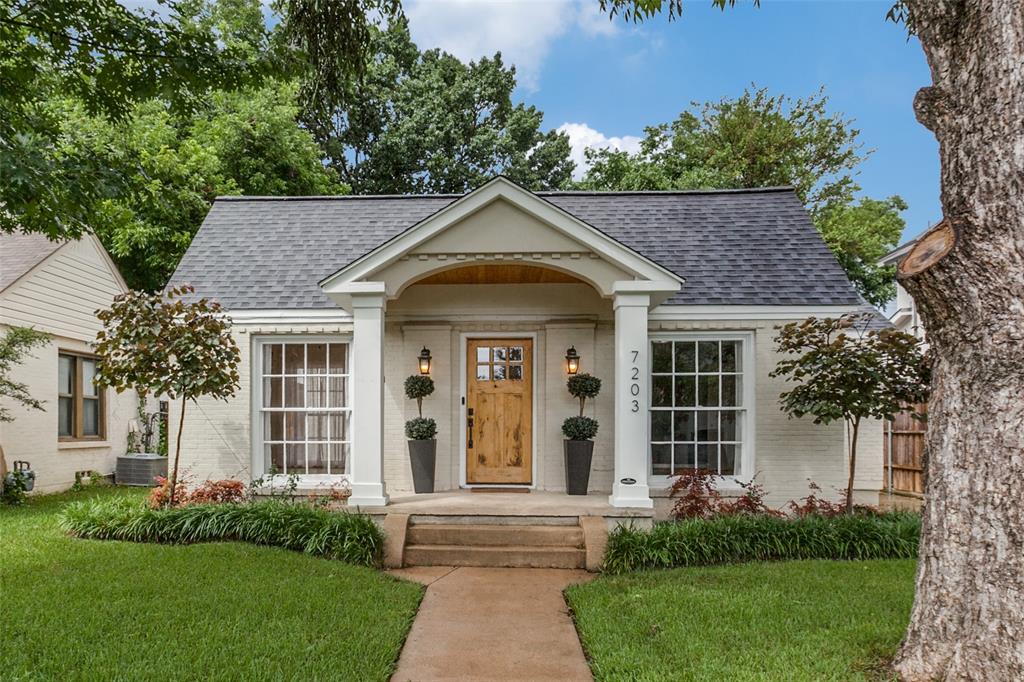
{"x": 697, "y": 410}
{"x": 305, "y": 408}
{"x": 499, "y": 363}
{"x": 79, "y": 401}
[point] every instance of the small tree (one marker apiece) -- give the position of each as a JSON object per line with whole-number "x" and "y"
{"x": 15, "y": 344}
{"x": 582, "y": 386}
{"x": 846, "y": 371}
{"x": 164, "y": 344}
{"x": 418, "y": 387}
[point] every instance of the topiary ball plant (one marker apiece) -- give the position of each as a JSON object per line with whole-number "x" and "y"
{"x": 583, "y": 386}
{"x": 418, "y": 387}
{"x": 420, "y": 428}
{"x": 579, "y": 428}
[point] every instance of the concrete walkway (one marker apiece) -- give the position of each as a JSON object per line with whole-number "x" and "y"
{"x": 492, "y": 624}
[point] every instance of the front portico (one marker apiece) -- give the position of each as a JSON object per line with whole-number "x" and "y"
{"x": 483, "y": 251}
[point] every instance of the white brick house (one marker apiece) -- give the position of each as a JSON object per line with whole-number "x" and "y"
{"x": 671, "y": 298}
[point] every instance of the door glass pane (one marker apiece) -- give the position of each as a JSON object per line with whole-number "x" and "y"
{"x": 294, "y": 358}
{"x": 731, "y": 358}
{"x": 272, "y": 359}
{"x": 294, "y": 392}
{"x": 499, "y": 372}
{"x": 483, "y": 372}
{"x": 338, "y": 396}
{"x": 90, "y": 417}
{"x": 89, "y": 389}
{"x": 317, "y": 458}
{"x": 661, "y": 425}
{"x": 685, "y": 426}
{"x": 316, "y": 358}
{"x": 707, "y": 391}
{"x": 272, "y": 392}
{"x": 685, "y": 391}
{"x": 515, "y": 372}
{"x": 686, "y": 354}
{"x": 707, "y": 356}
{"x": 661, "y": 391}
{"x": 483, "y": 354}
{"x": 500, "y": 354}
{"x": 515, "y": 353}
{"x": 661, "y": 357}
{"x": 65, "y": 416}
{"x": 66, "y": 373}
{"x": 339, "y": 358}
{"x": 316, "y": 392}
{"x": 661, "y": 459}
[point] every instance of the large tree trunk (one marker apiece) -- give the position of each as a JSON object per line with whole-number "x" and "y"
{"x": 968, "y": 616}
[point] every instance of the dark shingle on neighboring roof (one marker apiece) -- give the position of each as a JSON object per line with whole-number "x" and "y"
{"x": 733, "y": 247}
{"x": 19, "y": 253}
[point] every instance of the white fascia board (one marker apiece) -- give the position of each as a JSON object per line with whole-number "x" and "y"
{"x": 750, "y": 312}
{"x": 499, "y": 188}
{"x": 289, "y": 315}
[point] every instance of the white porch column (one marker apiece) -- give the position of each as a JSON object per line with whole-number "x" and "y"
{"x": 629, "y": 488}
{"x": 367, "y": 471}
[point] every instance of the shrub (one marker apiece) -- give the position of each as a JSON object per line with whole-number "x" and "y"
{"x": 733, "y": 539}
{"x": 583, "y": 386}
{"x": 347, "y": 537}
{"x": 579, "y": 428}
{"x": 697, "y": 498}
{"x": 14, "y": 486}
{"x": 420, "y": 428}
{"x": 225, "y": 491}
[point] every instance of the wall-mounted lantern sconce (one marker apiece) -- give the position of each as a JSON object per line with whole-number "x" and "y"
{"x": 572, "y": 360}
{"x": 424, "y": 358}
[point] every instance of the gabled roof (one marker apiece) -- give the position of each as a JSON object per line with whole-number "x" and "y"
{"x": 733, "y": 247}
{"x": 19, "y": 253}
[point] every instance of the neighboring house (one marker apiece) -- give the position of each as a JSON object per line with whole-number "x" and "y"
{"x": 904, "y": 317}
{"x": 56, "y": 288}
{"x": 671, "y": 298}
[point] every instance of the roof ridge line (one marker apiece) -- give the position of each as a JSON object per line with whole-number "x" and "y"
{"x": 545, "y": 193}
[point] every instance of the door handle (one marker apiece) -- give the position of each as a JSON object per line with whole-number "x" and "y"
{"x": 469, "y": 425}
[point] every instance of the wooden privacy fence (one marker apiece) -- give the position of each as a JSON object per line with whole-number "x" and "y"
{"x": 904, "y": 452}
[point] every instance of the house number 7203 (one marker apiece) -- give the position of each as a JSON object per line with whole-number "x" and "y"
{"x": 634, "y": 386}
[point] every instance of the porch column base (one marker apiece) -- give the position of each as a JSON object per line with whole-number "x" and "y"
{"x": 368, "y": 495}
{"x": 635, "y": 495}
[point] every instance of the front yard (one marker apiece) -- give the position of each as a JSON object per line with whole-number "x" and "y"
{"x": 81, "y": 609}
{"x": 797, "y": 620}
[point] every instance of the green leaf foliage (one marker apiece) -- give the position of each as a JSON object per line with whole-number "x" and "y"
{"x": 15, "y": 344}
{"x": 741, "y": 538}
{"x": 583, "y": 386}
{"x": 580, "y": 428}
{"x": 351, "y": 538}
{"x": 418, "y": 386}
{"x": 426, "y": 122}
{"x": 421, "y": 428}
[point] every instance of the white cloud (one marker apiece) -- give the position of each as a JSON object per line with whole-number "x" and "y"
{"x": 582, "y": 137}
{"x": 522, "y": 30}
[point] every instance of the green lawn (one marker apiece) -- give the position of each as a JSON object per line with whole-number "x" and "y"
{"x": 82, "y": 609}
{"x": 798, "y": 620}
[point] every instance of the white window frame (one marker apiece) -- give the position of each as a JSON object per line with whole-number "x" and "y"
{"x": 745, "y": 460}
{"x": 258, "y": 457}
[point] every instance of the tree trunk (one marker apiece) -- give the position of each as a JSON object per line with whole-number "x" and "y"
{"x": 177, "y": 453}
{"x": 854, "y": 431}
{"x": 967, "y": 620}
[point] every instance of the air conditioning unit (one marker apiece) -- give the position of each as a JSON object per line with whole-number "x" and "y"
{"x": 140, "y": 468}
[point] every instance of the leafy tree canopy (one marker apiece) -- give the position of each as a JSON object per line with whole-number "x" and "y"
{"x": 763, "y": 140}
{"x": 15, "y": 344}
{"x": 426, "y": 122}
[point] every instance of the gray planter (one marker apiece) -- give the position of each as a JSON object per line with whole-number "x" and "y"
{"x": 140, "y": 468}
{"x": 422, "y": 455}
{"x": 578, "y": 454}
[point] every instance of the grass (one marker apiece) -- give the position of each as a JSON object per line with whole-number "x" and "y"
{"x": 83, "y": 609}
{"x": 798, "y": 620}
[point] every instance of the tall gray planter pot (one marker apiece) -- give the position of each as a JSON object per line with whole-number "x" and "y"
{"x": 578, "y": 455}
{"x": 422, "y": 456}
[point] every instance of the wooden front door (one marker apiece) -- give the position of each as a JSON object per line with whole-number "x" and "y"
{"x": 499, "y": 411}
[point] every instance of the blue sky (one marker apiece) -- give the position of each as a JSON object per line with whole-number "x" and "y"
{"x": 604, "y": 82}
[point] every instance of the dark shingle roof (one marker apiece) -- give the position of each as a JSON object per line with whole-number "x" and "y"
{"x": 733, "y": 247}
{"x": 19, "y": 253}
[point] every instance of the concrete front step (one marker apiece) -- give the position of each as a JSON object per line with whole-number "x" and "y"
{"x": 510, "y": 556}
{"x": 495, "y": 535}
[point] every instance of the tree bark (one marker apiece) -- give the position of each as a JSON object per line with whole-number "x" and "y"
{"x": 177, "y": 454}
{"x": 967, "y": 621}
{"x": 854, "y": 431}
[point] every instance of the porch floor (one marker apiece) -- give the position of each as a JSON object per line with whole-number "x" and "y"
{"x": 533, "y": 503}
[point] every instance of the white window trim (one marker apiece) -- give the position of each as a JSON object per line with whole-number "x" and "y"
{"x": 747, "y": 469}
{"x": 257, "y": 459}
